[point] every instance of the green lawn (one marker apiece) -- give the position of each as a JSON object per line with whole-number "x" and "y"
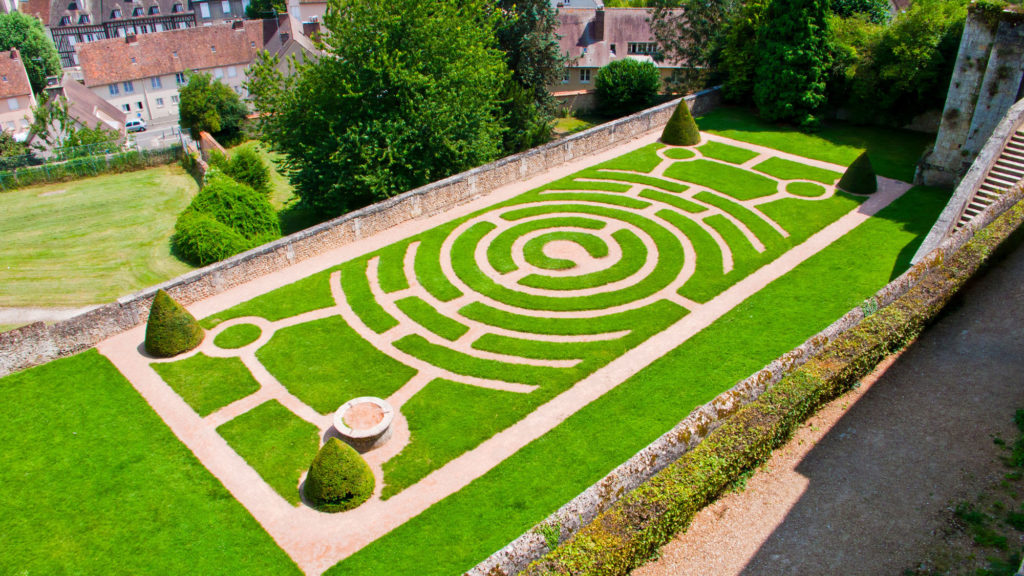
{"x": 238, "y": 336}
{"x": 92, "y": 240}
{"x": 208, "y": 384}
{"x": 92, "y": 482}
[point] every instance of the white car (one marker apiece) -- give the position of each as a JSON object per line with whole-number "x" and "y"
{"x": 138, "y": 125}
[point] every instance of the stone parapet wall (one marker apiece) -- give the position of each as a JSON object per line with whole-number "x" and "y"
{"x": 38, "y": 343}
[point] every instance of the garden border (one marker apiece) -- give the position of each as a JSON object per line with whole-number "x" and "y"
{"x": 610, "y": 546}
{"x": 39, "y": 343}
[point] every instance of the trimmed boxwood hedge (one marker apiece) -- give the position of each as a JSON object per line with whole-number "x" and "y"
{"x": 170, "y": 329}
{"x": 859, "y": 177}
{"x": 635, "y": 527}
{"x": 681, "y": 130}
{"x": 339, "y": 479}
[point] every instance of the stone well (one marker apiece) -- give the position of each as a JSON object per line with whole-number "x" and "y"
{"x": 365, "y": 422}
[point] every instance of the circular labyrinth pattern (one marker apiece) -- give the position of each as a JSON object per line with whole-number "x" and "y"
{"x": 543, "y": 289}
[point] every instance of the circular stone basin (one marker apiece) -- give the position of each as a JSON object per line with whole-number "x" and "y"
{"x": 365, "y": 422}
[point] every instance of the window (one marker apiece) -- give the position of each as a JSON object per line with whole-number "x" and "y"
{"x": 4, "y": 77}
{"x": 225, "y": 6}
{"x": 159, "y": 102}
{"x": 174, "y": 99}
{"x": 174, "y": 54}
{"x": 213, "y": 49}
{"x": 642, "y": 48}
{"x": 204, "y": 10}
{"x": 24, "y": 123}
{"x": 71, "y": 39}
{"x": 126, "y": 107}
{"x": 179, "y": 78}
{"x": 13, "y": 104}
{"x": 10, "y": 125}
{"x": 133, "y": 59}
{"x": 137, "y": 11}
{"x": 218, "y": 73}
{"x": 158, "y": 27}
{"x": 238, "y": 90}
{"x": 177, "y": 8}
{"x": 138, "y": 105}
{"x": 65, "y": 20}
{"x": 585, "y": 76}
{"x": 113, "y": 89}
{"x": 155, "y": 82}
{"x": 84, "y": 19}
{"x": 232, "y": 72}
{"x": 73, "y": 6}
{"x": 154, "y": 9}
{"x": 129, "y": 87}
{"x": 612, "y": 48}
{"x": 87, "y": 38}
{"x": 115, "y": 13}
{"x": 565, "y": 76}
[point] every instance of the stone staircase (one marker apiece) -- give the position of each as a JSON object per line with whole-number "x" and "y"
{"x": 1006, "y": 172}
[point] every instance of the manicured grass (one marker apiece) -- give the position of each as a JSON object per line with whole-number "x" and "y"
{"x": 356, "y": 286}
{"x": 276, "y": 443}
{"x": 565, "y": 126}
{"x": 642, "y": 160}
{"x": 570, "y": 183}
{"x": 499, "y": 252}
{"x": 325, "y": 363}
{"x": 237, "y": 336}
{"x": 680, "y": 153}
{"x": 629, "y": 320}
{"x": 624, "y": 201}
{"x": 726, "y": 153}
{"x": 805, "y": 189}
{"x": 674, "y": 201}
{"x": 92, "y": 482}
{"x": 764, "y": 232}
{"x": 93, "y": 240}
{"x": 894, "y": 153}
{"x": 729, "y": 180}
{"x": 310, "y": 293}
{"x": 391, "y": 267}
{"x": 207, "y": 384}
{"x": 634, "y": 254}
{"x": 788, "y": 170}
{"x": 428, "y": 264}
{"x": 446, "y": 419}
{"x": 466, "y": 365}
{"x": 652, "y": 181}
{"x": 463, "y": 529}
{"x": 425, "y": 315}
{"x": 533, "y": 249}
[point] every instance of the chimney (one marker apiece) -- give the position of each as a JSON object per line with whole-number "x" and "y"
{"x": 131, "y": 39}
{"x": 311, "y": 30}
{"x": 237, "y": 25}
{"x": 14, "y": 54}
{"x": 599, "y": 25}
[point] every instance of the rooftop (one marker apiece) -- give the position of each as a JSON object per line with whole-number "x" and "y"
{"x": 13, "y": 77}
{"x": 593, "y": 38}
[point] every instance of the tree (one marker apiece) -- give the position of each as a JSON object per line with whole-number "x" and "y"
{"x": 795, "y": 58}
{"x": 170, "y": 329}
{"x": 38, "y": 53}
{"x": 54, "y": 130}
{"x": 694, "y": 36}
{"x": 258, "y": 9}
{"x": 874, "y": 11}
{"x": 210, "y": 106}
{"x": 245, "y": 166}
{"x": 527, "y": 34}
{"x": 405, "y": 94}
{"x": 627, "y": 85}
{"x": 739, "y": 55}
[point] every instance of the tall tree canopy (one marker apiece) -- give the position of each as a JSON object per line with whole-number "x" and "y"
{"x": 210, "y": 106}
{"x": 38, "y": 53}
{"x": 795, "y": 58}
{"x": 693, "y": 36}
{"x": 526, "y": 33}
{"x": 408, "y": 92}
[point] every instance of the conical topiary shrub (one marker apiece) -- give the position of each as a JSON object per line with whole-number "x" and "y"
{"x": 339, "y": 479}
{"x": 859, "y": 177}
{"x": 170, "y": 330}
{"x": 681, "y": 130}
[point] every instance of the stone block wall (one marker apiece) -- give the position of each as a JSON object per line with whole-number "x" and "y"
{"x": 38, "y": 343}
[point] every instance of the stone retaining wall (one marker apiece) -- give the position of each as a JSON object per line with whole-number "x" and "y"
{"x": 38, "y": 343}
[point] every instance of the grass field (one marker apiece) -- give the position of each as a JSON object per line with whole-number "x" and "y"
{"x": 90, "y": 241}
{"x": 92, "y": 482}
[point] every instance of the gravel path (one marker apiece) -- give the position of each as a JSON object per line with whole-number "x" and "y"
{"x": 864, "y": 487}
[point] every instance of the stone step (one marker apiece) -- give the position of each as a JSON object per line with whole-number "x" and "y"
{"x": 1009, "y": 172}
{"x": 988, "y": 192}
{"x": 977, "y": 208}
{"x": 1015, "y": 156}
{"x": 1001, "y": 180}
{"x": 1015, "y": 144}
{"x": 979, "y": 199}
{"x": 1010, "y": 163}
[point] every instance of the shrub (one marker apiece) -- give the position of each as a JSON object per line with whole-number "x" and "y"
{"x": 225, "y": 218}
{"x": 338, "y": 479}
{"x": 860, "y": 177}
{"x": 626, "y": 86}
{"x": 170, "y": 329}
{"x": 245, "y": 167}
{"x": 681, "y": 130}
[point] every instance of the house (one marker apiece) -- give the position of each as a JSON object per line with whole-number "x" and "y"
{"x": 86, "y": 108}
{"x": 16, "y": 95}
{"x": 209, "y": 12}
{"x": 74, "y": 22}
{"x": 593, "y": 38}
{"x": 307, "y": 10}
{"x": 286, "y": 38}
{"x": 141, "y": 74}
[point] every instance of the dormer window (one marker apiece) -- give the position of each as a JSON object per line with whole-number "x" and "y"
{"x": 176, "y": 8}
{"x": 115, "y": 13}
{"x": 213, "y": 49}
{"x": 83, "y": 19}
{"x": 65, "y": 20}
{"x": 137, "y": 11}
{"x": 154, "y": 10}
{"x": 73, "y": 6}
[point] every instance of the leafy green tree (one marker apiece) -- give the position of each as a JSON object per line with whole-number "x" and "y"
{"x": 874, "y": 11}
{"x": 258, "y": 9}
{"x": 627, "y": 85}
{"x": 739, "y": 54}
{"x": 403, "y": 96}
{"x": 526, "y": 33}
{"x": 207, "y": 105}
{"x": 693, "y": 35}
{"x": 38, "y": 53}
{"x": 11, "y": 147}
{"x": 795, "y": 58}
{"x": 245, "y": 166}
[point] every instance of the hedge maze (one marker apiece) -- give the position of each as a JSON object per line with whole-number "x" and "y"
{"x": 468, "y": 327}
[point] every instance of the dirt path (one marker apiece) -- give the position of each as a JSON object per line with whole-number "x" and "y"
{"x": 867, "y": 485}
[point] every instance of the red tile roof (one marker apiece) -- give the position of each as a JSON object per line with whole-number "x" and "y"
{"x": 13, "y": 78}
{"x": 162, "y": 53}
{"x": 38, "y": 8}
{"x": 587, "y": 35}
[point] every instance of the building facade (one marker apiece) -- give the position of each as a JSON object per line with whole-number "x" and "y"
{"x": 16, "y": 98}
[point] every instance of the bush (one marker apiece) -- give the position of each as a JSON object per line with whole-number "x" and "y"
{"x": 338, "y": 479}
{"x": 860, "y": 177}
{"x": 225, "y": 218}
{"x": 626, "y": 85}
{"x": 681, "y": 130}
{"x": 170, "y": 329}
{"x": 245, "y": 166}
